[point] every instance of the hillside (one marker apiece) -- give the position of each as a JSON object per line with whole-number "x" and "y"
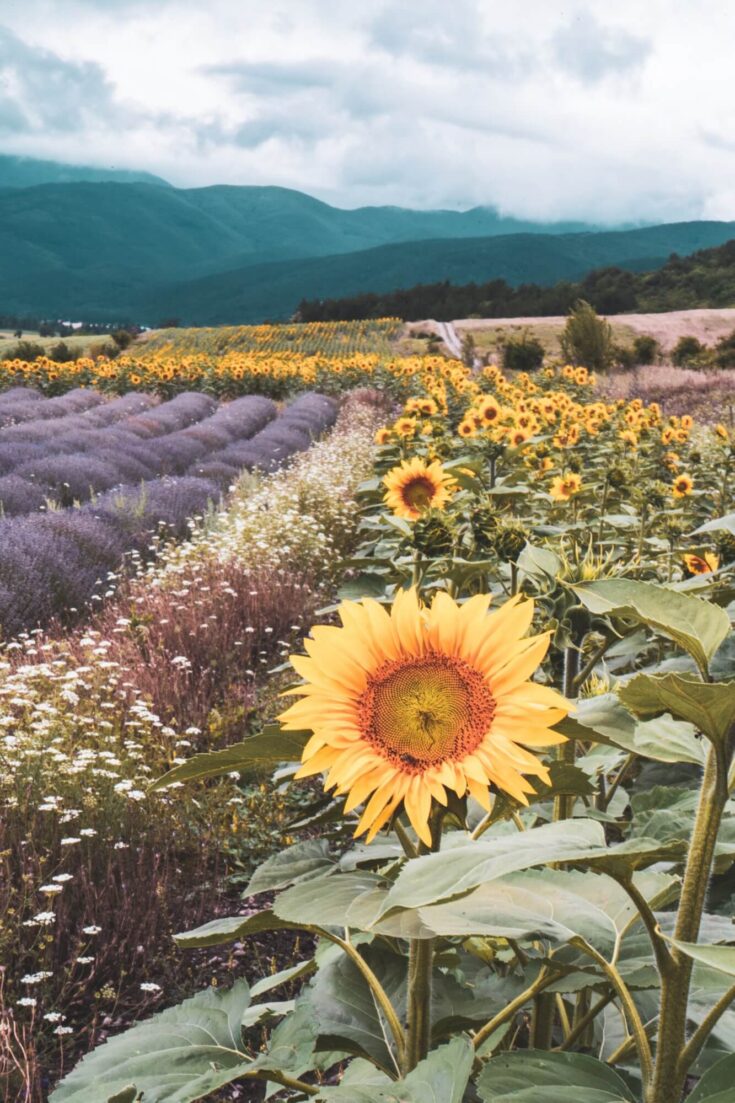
{"x": 274, "y": 290}
{"x": 88, "y": 248}
{"x": 27, "y": 172}
{"x": 107, "y": 250}
{"x": 706, "y": 278}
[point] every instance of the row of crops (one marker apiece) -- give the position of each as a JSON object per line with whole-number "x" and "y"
{"x": 85, "y": 480}
{"x": 309, "y": 339}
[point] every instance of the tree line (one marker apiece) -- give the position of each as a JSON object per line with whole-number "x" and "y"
{"x": 706, "y": 278}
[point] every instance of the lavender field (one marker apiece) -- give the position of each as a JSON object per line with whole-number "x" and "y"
{"x": 85, "y": 481}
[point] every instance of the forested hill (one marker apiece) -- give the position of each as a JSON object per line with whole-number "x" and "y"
{"x": 704, "y": 279}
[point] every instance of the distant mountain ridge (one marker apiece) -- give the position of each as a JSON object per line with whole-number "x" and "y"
{"x": 26, "y": 172}
{"x": 102, "y": 248}
{"x": 274, "y": 290}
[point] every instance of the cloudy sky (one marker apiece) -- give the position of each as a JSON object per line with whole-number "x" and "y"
{"x": 582, "y": 108}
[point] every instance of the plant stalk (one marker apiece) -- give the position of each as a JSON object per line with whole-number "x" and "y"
{"x": 672, "y": 1057}
{"x": 564, "y": 802}
{"x": 418, "y": 1026}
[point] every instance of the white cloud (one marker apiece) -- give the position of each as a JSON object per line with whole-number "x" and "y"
{"x": 589, "y": 110}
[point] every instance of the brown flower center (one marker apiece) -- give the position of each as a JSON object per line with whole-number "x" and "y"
{"x": 423, "y": 711}
{"x": 419, "y": 493}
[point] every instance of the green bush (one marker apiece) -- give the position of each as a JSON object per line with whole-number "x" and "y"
{"x": 725, "y": 351}
{"x": 587, "y": 338}
{"x": 689, "y": 352}
{"x": 25, "y": 350}
{"x": 61, "y": 353}
{"x": 646, "y": 349}
{"x": 623, "y": 356}
{"x": 524, "y": 353}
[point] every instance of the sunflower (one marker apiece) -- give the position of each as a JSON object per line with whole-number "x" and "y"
{"x": 488, "y": 410}
{"x": 405, "y": 427}
{"x": 682, "y": 486}
{"x": 415, "y": 486}
{"x": 701, "y": 564}
{"x": 407, "y": 704}
{"x": 563, "y": 487}
{"x": 722, "y": 431}
{"x": 467, "y": 427}
{"x": 382, "y": 436}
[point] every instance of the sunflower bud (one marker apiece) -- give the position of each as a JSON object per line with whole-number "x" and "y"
{"x": 484, "y": 523}
{"x": 617, "y": 477}
{"x": 510, "y": 542}
{"x": 432, "y": 535}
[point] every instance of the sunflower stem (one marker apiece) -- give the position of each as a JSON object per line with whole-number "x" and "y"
{"x": 564, "y": 802}
{"x": 418, "y": 1027}
{"x": 672, "y": 1055}
{"x": 542, "y": 1024}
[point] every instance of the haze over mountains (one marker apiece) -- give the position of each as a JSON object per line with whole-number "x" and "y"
{"x": 103, "y": 245}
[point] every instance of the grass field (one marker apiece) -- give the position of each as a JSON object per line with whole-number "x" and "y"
{"x": 79, "y": 345}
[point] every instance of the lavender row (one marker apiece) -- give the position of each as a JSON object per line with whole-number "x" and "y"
{"x": 73, "y": 457}
{"x": 56, "y": 564}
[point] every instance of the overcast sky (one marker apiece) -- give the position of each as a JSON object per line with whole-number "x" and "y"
{"x": 599, "y": 110}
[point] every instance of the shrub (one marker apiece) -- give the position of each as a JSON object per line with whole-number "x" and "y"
{"x": 28, "y": 351}
{"x": 523, "y": 353}
{"x": 646, "y": 349}
{"x": 61, "y": 353}
{"x": 725, "y": 351}
{"x": 687, "y": 351}
{"x": 587, "y": 338}
{"x": 623, "y": 356}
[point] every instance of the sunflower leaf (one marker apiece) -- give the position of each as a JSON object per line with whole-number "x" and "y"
{"x": 695, "y": 625}
{"x": 435, "y": 877}
{"x": 530, "y": 1075}
{"x": 218, "y": 932}
{"x": 717, "y": 957}
{"x": 709, "y": 706}
{"x": 268, "y": 748}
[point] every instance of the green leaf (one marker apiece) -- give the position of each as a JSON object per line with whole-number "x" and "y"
{"x": 710, "y": 707}
{"x": 604, "y": 718}
{"x": 231, "y": 929}
{"x": 299, "y": 862}
{"x": 564, "y": 778}
{"x": 367, "y": 584}
{"x": 284, "y": 976}
{"x": 716, "y": 1086}
{"x": 553, "y": 904}
{"x": 127, "y": 1095}
{"x": 344, "y": 1011}
{"x": 268, "y": 748}
{"x": 539, "y": 563}
{"x": 695, "y": 625}
{"x": 458, "y": 870}
{"x": 721, "y": 958}
{"x": 180, "y": 1055}
{"x": 441, "y": 1077}
{"x": 341, "y": 900}
{"x": 719, "y": 524}
{"x": 533, "y": 1075}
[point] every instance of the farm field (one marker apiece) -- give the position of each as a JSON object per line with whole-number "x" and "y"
{"x": 367, "y": 728}
{"x": 708, "y": 325}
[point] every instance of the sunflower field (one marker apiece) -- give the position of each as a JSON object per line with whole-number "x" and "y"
{"x": 501, "y": 737}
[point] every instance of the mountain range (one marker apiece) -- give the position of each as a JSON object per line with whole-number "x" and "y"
{"x": 104, "y": 246}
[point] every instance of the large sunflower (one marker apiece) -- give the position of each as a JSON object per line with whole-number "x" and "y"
{"x": 406, "y": 704}
{"x": 415, "y": 486}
